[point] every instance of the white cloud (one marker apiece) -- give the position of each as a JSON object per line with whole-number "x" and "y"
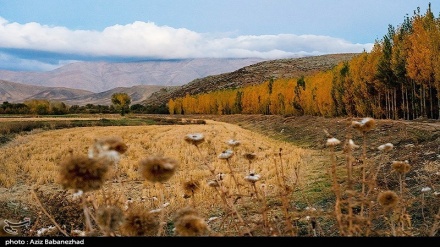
{"x": 146, "y": 39}
{"x": 14, "y": 63}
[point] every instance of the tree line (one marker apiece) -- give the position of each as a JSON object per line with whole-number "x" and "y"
{"x": 120, "y": 105}
{"x": 398, "y": 79}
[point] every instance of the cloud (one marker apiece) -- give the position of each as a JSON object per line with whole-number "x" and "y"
{"x": 146, "y": 40}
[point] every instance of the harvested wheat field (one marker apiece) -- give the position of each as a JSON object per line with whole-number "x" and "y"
{"x": 254, "y": 176}
{"x": 258, "y": 167}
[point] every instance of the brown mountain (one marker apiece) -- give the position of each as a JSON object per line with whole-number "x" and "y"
{"x": 102, "y": 76}
{"x": 253, "y": 74}
{"x": 138, "y": 94}
{"x": 18, "y": 93}
{"x": 160, "y": 94}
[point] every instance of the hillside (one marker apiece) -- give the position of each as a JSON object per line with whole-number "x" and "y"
{"x": 102, "y": 76}
{"x": 137, "y": 94}
{"x": 253, "y": 74}
{"x": 18, "y": 93}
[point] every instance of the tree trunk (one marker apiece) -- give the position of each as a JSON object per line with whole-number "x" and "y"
{"x": 396, "y": 104}
{"x": 407, "y": 103}
{"x": 430, "y": 101}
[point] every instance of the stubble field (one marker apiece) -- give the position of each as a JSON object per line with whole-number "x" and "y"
{"x": 295, "y": 183}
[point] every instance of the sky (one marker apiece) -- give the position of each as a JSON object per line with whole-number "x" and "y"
{"x": 42, "y": 35}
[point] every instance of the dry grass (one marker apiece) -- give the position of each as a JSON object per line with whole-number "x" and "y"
{"x": 33, "y": 159}
{"x": 267, "y": 187}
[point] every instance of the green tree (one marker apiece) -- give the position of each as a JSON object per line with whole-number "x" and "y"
{"x": 121, "y": 101}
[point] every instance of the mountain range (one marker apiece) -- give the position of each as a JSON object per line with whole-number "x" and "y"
{"x": 102, "y": 76}
{"x": 153, "y": 82}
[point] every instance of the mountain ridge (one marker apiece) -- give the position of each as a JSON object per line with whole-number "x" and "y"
{"x": 252, "y": 74}
{"x": 101, "y": 76}
{"x": 13, "y": 92}
{"x": 159, "y": 95}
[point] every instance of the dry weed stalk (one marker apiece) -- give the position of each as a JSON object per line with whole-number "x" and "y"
{"x": 286, "y": 190}
{"x": 198, "y": 138}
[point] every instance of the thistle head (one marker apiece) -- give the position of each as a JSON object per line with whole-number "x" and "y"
{"x": 331, "y": 142}
{"x": 401, "y": 167}
{"x": 388, "y": 199}
{"x": 250, "y": 156}
{"x": 83, "y": 173}
{"x": 187, "y": 222}
{"x": 233, "y": 143}
{"x": 385, "y": 147}
{"x": 252, "y": 177}
{"x": 365, "y": 125}
{"x": 109, "y": 218}
{"x": 157, "y": 169}
{"x": 226, "y": 154}
{"x": 195, "y": 138}
{"x": 139, "y": 222}
{"x": 108, "y": 147}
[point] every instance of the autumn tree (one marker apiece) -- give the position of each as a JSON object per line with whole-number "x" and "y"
{"x": 121, "y": 101}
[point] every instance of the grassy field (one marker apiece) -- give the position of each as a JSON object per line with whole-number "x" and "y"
{"x": 267, "y": 187}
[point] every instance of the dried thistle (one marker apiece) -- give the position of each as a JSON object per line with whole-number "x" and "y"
{"x": 82, "y": 173}
{"x": 365, "y": 125}
{"x": 401, "y": 167}
{"x": 351, "y": 145}
{"x": 188, "y": 223}
{"x": 139, "y": 222}
{"x": 252, "y": 177}
{"x": 109, "y": 218}
{"x": 226, "y": 154}
{"x": 385, "y": 147}
{"x": 185, "y": 211}
{"x": 213, "y": 183}
{"x": 157, "y": 169}
{"x": 194, "y": 139}
{"x": 332, "y": 142}
{"x": 108, "y": 147}
{"x": 233, "y": 143}
{"x": 388, "y": 199}
{"x": 191, "y": 186}
{"x": 249, "y": 156}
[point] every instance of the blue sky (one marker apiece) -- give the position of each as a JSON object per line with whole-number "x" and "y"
{"x": 46, "y": 34}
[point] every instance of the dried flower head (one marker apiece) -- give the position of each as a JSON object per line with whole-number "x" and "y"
{"x": 213, "y": 183}
{"x": 252, "y": 177}
{"x": 108, "y": 147}
{"x": 365, "y": 125}
{"x": 220, "y": 176}
{"x": 109, "y": 218}
{"x": 157, "y": 169}
{"x": 227, "y": 154}
{"x": 82, "y": 173}
{"x": 191, "y": 186}
{"x": 351, "y": 145}
{"x": 189, "y": 223}
{"x": 401, "y": 167}
{"x": 195, "y": 138}
{"x": 185, "y": 211}
{"x": 426, "y": 189}
{"x": 139, "y": 222}
{"x": 233, "y": 143}
{"x": 249, "y": 156}
{"x": 388, "y": 199}
{"x": 332, "y": 142}
{"x": 385, "y": 147}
